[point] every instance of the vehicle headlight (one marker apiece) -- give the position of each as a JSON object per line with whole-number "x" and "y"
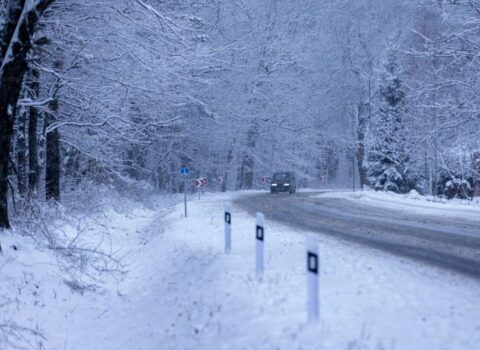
{"x": 274, "y": 185}
{"x": 287, "y": 185}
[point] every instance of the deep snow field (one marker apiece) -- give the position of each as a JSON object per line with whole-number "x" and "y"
{"x": 175, "y": 288}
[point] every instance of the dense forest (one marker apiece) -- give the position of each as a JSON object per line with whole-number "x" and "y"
{"x": 383, "y": 93}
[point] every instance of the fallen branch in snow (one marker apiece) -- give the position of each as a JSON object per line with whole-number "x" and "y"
{"x": 27, "y": 102}
{"x": 13, "y": 336}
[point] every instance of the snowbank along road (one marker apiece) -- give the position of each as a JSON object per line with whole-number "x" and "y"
{"x": 441, "y": 238}
{"x": 180, "y": 291}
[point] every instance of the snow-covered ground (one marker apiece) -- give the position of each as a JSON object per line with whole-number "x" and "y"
{"x": 181, "y": 291}
{"x": 412, "y": 202}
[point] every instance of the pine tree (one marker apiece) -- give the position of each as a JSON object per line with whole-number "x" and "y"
{"x": 388, "y": 157}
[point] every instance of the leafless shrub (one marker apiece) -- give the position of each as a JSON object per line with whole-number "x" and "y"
{"x": 85, "y": 253}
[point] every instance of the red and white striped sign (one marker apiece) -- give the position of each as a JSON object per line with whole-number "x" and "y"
{"x": 200, "y": 182}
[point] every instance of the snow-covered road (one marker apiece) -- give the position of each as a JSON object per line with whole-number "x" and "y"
{"x": 183, "y": 292}
{"x": 436, "y": 233}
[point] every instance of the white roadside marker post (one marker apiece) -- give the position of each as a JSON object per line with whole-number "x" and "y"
{"x": 313, "y": 263}
{"x": 228, "y": 229}
{"x": 260, "y": 238}
{"x": 185, "y": 192}
{"x": 185, "y": 171}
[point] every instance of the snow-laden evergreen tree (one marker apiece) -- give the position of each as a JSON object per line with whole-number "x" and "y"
{"x": 388, "y": 158}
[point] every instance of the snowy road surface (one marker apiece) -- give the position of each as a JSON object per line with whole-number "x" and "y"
{"x": 182, "y": 292}
{"x": 446, "y": 237}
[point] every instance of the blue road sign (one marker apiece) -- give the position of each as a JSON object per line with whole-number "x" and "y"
{"x": 184, "y": 171}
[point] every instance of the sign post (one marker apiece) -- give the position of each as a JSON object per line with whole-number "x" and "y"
{"x": 184, "y": 171}
{"x": 260, "y": 238}
{"x": 228, "y": 229}
{"x": 313, "y": 264}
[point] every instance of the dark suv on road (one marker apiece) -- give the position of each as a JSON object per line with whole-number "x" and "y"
{"x": 283, "y": 181}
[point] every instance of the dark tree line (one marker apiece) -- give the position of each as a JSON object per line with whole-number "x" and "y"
{"x": 17, "y": 39}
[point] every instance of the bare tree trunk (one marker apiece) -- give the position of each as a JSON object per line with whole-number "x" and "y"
{"x": 248, "y": 171}
{"x": 52, "y": 171}
{"x": 8, "y": 102}
{"x": 240, "y": 176}
{"x": 360, "y": 154}
{"x": 15, "y": 42}
{"x": 248, "y": 161}
{"x": 229, "y": 161}
{"x": 360, "y": 120}
{"x": 21, "y": 151}
{"x": 5, "y": 132}
{"x": 52, "y": 156}
{"x": 34, "y": 167}
{"x": 12, "y": 15}
{"x": 42, "y": 150}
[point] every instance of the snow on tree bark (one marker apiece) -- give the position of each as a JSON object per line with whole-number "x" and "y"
{"x": 52, "y": 157}
{"x": 33, "y": 165}
{"x": 21, "y": 150}
{"x": 15, "y": 47}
